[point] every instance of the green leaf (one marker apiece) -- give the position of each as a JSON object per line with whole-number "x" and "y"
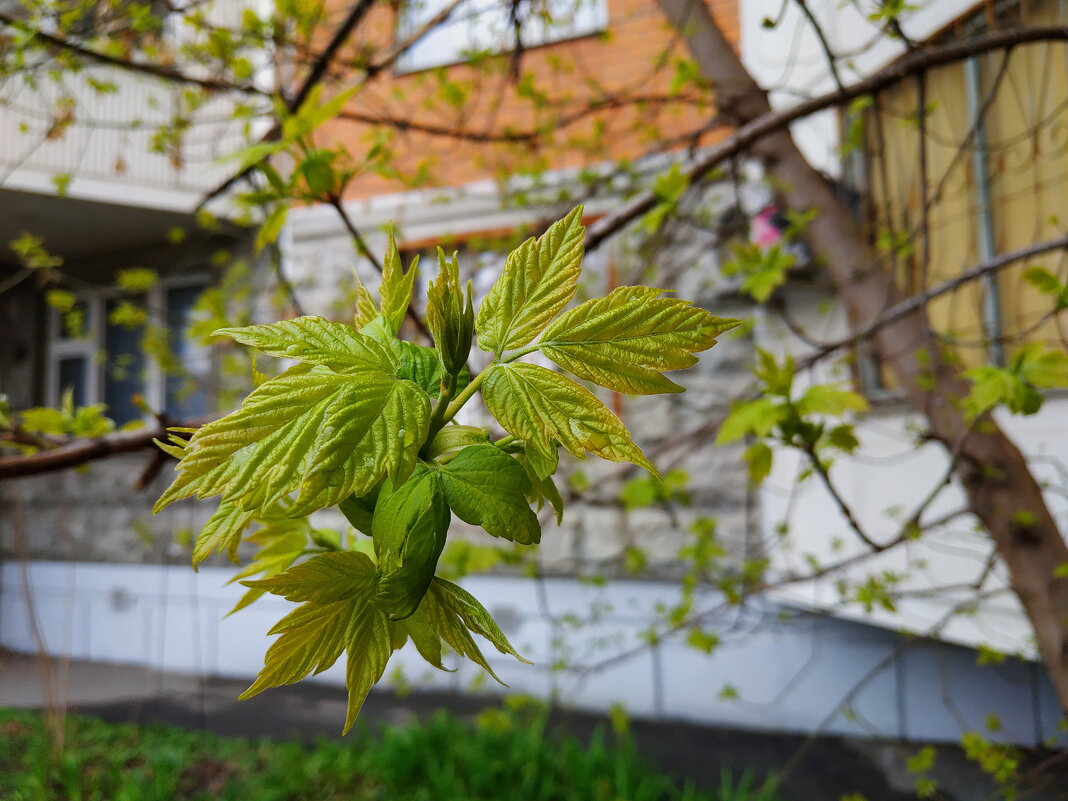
{"x": 473, "y": 614}
{"x": 756, "y": 417}
{"x": 281, "y": 542}
{"x": 366, "y": 310}
{"x": 409, "y": 529}
{"x": 314, "y": 340}
{"x": 311, "y": 114}
{"x": 421, "y": 366}
{"x": 221, "y": 533}
{"x": 369, "y": 647}
{"x": 397, "y": 286}
{"x": 624, "y": 341}
{"x": 762, "y": 270}
{"x": 1043, "y": 280}
{"x": 540, "y": 407}
{"x": 759, "y": 458}
{"x": 271, "y": 227}
{"x": 452, "y": 613}
{"x": 542, "y": 489}
{"x": 454, "y": 438}
{"x": 322, "y": 434}
{"x": 323, "y": 579}
{"x": 318, "y": 171}
{"x": 1043, "y": 367}
{"x": 359, "y": 510}
{"x": 537, "y": 282}
{"x": 486, "y": 487}
{"x": 829, "y": 399}
{"x": 543, "y": 464}
{"x": 426, "y": 641}
{"x": 843, "y": 438}
{"x": 446, "y": 624}
{"x": 314, "y": 635}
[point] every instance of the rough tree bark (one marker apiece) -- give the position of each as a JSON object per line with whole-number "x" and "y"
{"x": 999, "y": 485}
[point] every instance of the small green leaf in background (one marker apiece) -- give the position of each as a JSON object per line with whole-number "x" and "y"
{"x": 759, "y": 458}
{"x": 763, "y": 270}
{"x": 830, "y": 400}
{"x": 757, "y": 417}
{"x": 1048, "y": 284}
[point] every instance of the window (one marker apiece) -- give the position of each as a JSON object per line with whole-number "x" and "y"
{"x": 72, "y": 353}
{"x": 994, "y": 185}
{"x": 481, "y": 26}
{"x": 101, "y": 360}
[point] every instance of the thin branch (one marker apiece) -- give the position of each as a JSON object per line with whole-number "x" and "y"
{"x": 86, "y": 450}
{"x": 747, "y": 135}
{"x": 322, "y": 62}
{"x": 315, "y": 75}
{"x": 832, "y": 59}
{"x": 914, "y": 303}
{"x": 318, "y": 71}
{"x": 354, "y": 232}
{"x": 57, "y": 43}
{"x": 836, "y": 496}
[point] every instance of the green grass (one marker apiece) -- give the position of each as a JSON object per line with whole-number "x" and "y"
{"x": 507, "y": 754}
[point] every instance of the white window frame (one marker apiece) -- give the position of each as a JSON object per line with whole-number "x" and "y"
{"x": 87, "y": 346}
{"x": 437, "y": 48}
{"x": 91, "y": 346}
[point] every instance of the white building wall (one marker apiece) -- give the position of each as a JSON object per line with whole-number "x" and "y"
{"x": 883, "y": 482}
{"x": 788, "y": 61}
{"x": 792, "y": 672}
{"x": 106, "y": 146}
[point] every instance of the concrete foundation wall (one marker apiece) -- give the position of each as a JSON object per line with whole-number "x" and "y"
{"x": 791, "y": 671}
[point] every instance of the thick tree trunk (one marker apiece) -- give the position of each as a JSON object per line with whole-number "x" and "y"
{"x": 1000, "y": 488}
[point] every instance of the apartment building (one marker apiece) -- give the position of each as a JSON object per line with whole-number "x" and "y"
{"x": 621, "y": 114}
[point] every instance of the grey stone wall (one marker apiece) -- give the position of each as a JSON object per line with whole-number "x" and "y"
{"x": 93, "y": 515}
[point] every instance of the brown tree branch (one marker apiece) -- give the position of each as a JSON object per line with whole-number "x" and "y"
{"x": 81, "y": 451}
{"x": 1001, "y": 490}
{"x": 59, "y": 44}
{"x": 322, "y": 64}
{"x": 755, "y": 128}
{"x": 917, "y": 302}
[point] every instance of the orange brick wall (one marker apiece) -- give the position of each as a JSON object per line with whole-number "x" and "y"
{"x": 573, "y": 73}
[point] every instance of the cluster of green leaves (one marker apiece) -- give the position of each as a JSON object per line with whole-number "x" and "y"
{"x": 366, "y": 422}
{"x": 762, "y": 270}
{"x": 797, "y": 420}
{"x": 1017, "y": 385}
{"x": 508, "y": 752}
{"x": 34, "y": 429}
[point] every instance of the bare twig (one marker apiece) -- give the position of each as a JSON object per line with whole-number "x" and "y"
{"x": 59, "y": 44}
{"x": 86, "y": 450}
{"x": 747, "y": 135}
